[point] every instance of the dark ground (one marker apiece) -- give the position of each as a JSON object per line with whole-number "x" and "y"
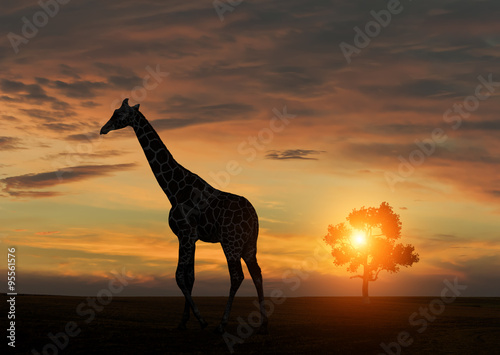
{"x": 336, "y": 325}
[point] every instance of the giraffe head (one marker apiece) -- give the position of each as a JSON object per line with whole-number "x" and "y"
{"x": 122, "y": 117}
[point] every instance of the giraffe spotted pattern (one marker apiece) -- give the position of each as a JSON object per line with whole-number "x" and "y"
{"x": 199, "y": 212}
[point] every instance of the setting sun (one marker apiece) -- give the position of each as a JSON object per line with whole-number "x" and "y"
{"x": 358, "y": 239}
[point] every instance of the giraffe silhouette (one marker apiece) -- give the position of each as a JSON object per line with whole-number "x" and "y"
{"x": 199, "y": 212}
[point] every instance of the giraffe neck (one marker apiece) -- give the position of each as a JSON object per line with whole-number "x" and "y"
{"x": 175, "y": 180}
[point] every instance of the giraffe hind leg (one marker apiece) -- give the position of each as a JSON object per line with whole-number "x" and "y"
{"x": 256, "y": 273}
{"x": 237, "y": 276}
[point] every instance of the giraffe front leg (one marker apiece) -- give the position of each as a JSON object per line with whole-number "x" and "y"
{"x": 189, "y": 279}
{"x": 185, "y": 316}
{"x": 185, "y": 280}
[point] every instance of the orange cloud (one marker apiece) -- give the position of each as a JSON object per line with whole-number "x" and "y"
{"x": 352, "y": 123}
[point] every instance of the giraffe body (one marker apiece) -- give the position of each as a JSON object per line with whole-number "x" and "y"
{"x": 199, "y": 212}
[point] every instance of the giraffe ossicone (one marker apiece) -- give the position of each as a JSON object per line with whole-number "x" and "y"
{"x": 199, "y": 212}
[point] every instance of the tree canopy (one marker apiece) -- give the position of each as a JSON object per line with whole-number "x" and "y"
{"x": 368, "y": 239}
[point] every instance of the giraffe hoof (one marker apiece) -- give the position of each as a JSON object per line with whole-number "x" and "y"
{"x": 263, "y": 330}
{"x": 220, "y": 329}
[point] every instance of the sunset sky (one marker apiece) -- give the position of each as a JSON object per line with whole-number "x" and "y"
{"x": 78, "y": 206}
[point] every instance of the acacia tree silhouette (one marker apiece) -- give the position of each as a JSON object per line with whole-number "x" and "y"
{"x": 371, "y": 243}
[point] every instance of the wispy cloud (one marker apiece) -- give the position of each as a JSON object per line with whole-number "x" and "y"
{"x": 194, "y": 114}
{"x": 28, "y": 91}
{"x": 10, "y": 143}
{"x": 79, "y": 89}
{"x": 32, "y": 193}
{"x": 16, "y": 185}
{"x": 47, "y": 233}
{"x": 304, "y": 154}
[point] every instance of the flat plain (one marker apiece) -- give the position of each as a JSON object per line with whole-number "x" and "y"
{"x": 311, "y": 325}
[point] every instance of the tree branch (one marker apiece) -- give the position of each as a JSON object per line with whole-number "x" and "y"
{"x": 376, "y": 275}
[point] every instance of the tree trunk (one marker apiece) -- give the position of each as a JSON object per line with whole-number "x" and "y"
{"x": 366, "y": 276}
{"x": 366, "y": 299}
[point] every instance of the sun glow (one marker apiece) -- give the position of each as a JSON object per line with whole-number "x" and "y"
{"x": 358, "y": 239}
